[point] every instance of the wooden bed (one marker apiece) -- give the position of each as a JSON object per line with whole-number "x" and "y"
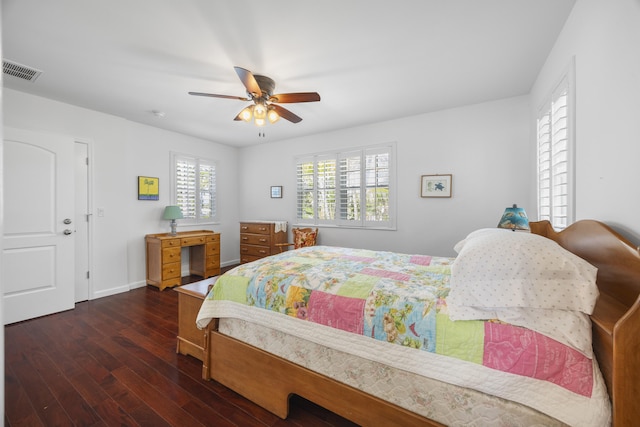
{"x": 269, "y": 381}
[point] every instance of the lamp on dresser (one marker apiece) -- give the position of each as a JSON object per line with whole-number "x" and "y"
{"x": 173, "y": 213}
{"x": 514, "y": 218}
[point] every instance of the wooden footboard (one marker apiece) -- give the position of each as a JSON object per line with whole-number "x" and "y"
{"x": 269, "y": 381}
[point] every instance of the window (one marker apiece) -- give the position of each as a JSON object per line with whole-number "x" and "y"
{"x": 555, "y": 156}
{"x": 352, "y": 188}
{"x": 195, "y": 188}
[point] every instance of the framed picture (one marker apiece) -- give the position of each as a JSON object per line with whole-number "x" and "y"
{"x": 435, "y": 186}
{"x": 148, "y": 188}
{"x": 276, "y": 192}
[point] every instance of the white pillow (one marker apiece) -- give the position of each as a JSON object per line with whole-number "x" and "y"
{"x": 510, "y": 269}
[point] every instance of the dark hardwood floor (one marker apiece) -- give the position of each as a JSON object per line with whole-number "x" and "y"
{"x": 112, "y": 361}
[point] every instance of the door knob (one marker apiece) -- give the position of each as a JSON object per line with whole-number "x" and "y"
{"x": 67, "y": 221}
{"x": 67, "y": 232}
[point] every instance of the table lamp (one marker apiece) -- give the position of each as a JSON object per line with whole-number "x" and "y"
{"x": 514, "y": 218}
{"x": 172, "y": 213}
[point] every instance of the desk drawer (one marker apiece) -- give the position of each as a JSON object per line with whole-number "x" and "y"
{"x": 213, "y": 238}
{"x": 212, "y": 262}
{"x": 171, "y": 271}
{"x": 259, "y": 251}
{"x": 255, "y": 228}
{"x": 213, "y": 248}
{"x": 192, "y": 241}
{"x": 255, "y": 239}
{"x": 168, "y": 243}
{"x": 171, "y": 255}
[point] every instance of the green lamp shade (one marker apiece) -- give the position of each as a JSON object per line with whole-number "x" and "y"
{"x": 172, "y": 212}
{"x": 514, "y": 218}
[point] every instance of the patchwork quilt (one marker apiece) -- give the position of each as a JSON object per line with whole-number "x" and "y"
{"x": 399, "y": 300}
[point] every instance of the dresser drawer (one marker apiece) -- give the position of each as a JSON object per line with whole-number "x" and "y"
{"x": 255, "y": 239}
{"x": 167, "y": 243}
{"x": 170, "y": 255}
{"x": 254, "y": 250}
{"x": 255, "y": 228}
{"x": 171, "y": 271}
{"x": 248, "y": 258}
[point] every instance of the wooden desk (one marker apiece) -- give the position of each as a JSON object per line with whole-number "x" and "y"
{"x": 190, "y": 338}
{"x": 164, "y": 259}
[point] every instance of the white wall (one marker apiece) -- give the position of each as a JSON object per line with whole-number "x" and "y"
{"x": 604, "y": 36}
{"x": 121, "y": 151}
{"x": 484, "y": 146}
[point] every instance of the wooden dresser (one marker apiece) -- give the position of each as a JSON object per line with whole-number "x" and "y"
{"x": 258, "y": 239}
{"x": 164, "y": 256}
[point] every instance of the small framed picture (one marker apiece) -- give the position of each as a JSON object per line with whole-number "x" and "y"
{"x": 148, "y": 188}
{"x": 276, "y": 191}
{"x": 435, "y": 186}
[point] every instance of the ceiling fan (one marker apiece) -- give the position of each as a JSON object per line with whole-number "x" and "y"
{"x": 265, "y": 106}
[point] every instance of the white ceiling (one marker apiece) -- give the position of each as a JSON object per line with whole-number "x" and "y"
{"x": 370, "y": 60}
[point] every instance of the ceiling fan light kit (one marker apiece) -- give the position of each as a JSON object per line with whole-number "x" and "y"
{"x": 265, "y": 108}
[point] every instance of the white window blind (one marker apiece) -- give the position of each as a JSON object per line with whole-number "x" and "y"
{"x": 195, "y": 188}
{"x": 351, "y": 188}
{"x": 555, "y": 158}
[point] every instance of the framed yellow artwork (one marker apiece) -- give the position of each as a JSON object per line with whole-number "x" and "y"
{"x": 148, "y": 188}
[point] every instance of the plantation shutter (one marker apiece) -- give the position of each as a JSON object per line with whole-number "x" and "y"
{"x": 350, "y": 205}
{"x": 377, "y": 174}
{"x": 316, "y": 189}
{"x": 207, "y": 190}
{"x": 555, "y": 169}
{"x": 305, "y": 179}
{"x": 186, "y": 186}
{"x": 195, "y": 188}
{"x": 350, "y": 188}
{"x": 326, "y": 188}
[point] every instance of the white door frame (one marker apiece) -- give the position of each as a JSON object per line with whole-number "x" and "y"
{"x": 83, "y": 294}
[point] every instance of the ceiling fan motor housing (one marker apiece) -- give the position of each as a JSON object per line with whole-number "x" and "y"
{"x": 267, "y": 85}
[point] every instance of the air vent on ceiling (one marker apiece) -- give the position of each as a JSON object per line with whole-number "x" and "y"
{"x": 20, "y": 71}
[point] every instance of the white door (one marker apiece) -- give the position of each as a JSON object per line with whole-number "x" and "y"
{"x": 38, "y": 241}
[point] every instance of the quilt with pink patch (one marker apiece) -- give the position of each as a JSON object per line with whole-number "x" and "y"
{"x": 400, "y": 301}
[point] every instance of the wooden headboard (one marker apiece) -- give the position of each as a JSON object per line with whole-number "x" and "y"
{"x": 616, "y": 318}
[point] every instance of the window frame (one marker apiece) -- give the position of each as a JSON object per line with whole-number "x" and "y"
{"x": 198, "y": 162}
{"x": 334, "y": 217}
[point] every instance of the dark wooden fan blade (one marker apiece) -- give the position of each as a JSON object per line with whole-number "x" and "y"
{"x": 286, "y": 114}
{"x": 285, "y": 98}
{"x": 213, "y": 95}
{"x": 249, "y": 81}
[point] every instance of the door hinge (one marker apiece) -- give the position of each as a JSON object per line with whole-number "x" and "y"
{"x": 87, "y": 161}
{"x": 87, "y": 274}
